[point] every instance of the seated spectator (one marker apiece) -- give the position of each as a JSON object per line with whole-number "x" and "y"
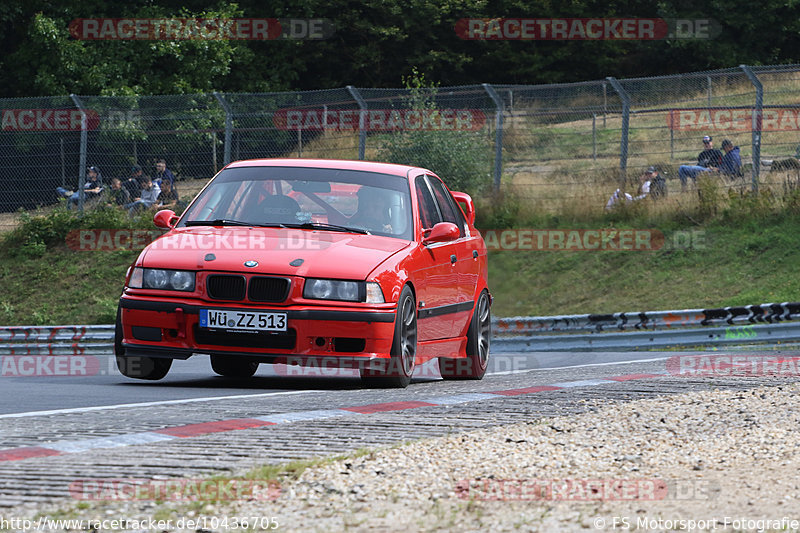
{"x": 168, "y": 199}
{"x": 132, "y": 184}
{"x": 148, "y": 197}
{"x": 163, "y": 174}
{"x": 731, "y": 165}
{"x": 92, "y": 187}
{"x": 117, "y": 195}
{"x": 617, "y": 199}
{"x": 708, "y": 160}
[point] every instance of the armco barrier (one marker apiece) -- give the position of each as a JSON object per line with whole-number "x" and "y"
{"x": 770, "y": 322}
{"x": 57, "y": 340}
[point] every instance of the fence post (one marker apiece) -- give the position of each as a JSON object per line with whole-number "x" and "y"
{"x": 594, "y": 136}
{"x": 63, "y": 163}
{"x": 362, "y": 121}
{"x": 498, "y": 138}
{"x": 623, "y": 143}
{"x": 709, "y": 90}
{"x": 756, "y": 122}
{"x": 226, "y": 157}
{"x": 671, "y": 142}
{"x": 214, "y": 151}
{"x": 82, "y": 159}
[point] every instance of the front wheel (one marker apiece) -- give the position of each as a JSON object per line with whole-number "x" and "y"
{"x": 149, "y": 368}
{"x": 397, "y": 372}
{"x": 478, "y": 339}
{"x": 232, "y": 367}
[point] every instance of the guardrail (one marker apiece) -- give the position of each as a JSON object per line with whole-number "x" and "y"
{"x": 771, "y": 322}
{"x": 57, "y": 340}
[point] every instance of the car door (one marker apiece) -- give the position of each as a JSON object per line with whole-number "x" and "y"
{"x": 465, "y": 249}
{"x": 437, "y": 291}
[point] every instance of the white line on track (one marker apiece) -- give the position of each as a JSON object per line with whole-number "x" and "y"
{"x": 149, "y": 404}
{"x": 522, "y": 371}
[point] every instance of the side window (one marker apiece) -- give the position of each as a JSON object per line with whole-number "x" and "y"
{"x": 450, "y": 212}
{"x": 428, "y": 213}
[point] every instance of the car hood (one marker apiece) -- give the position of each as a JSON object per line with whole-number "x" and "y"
{"x": 312, "y": 253}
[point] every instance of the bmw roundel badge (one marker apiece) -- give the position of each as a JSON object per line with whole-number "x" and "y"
{"x": 251, "y": 264}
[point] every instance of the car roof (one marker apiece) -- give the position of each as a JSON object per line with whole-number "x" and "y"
{"x": 339, "y": 164}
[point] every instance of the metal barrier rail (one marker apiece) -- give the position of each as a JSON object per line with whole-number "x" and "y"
{"x": 649, "y": 320}
{"x": 57, "y": 340}
{"x": 768, "y": 322}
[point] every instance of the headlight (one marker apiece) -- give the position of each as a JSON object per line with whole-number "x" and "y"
{"x": 157, "y": 278}
{"x": 333, "y": 289}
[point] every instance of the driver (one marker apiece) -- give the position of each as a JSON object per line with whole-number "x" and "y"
{"x": 373, "y": 210}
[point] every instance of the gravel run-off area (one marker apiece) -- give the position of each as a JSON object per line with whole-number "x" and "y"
{"x": 717, "y": 460}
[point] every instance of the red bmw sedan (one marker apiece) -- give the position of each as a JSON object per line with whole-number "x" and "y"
{"x": 373, "y": 266}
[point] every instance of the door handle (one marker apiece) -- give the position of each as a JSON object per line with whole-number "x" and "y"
{"x": 453, "y": 259}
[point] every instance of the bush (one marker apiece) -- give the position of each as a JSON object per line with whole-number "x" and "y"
{"x": 462, "y": 159}
{"x": 36, "y": 233}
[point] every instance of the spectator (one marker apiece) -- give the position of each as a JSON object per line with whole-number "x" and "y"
{"x": 163, "y": 174}
{"x": 117, "y": 195}
{"x": 132, "y": 184}
{"x": 148, "y": 197}
{"x": 645, "y": 180}
{"x": 731, "y": 165}
{"x": 652, "y": 184}
{"x": 617, "y": 199}
{"x": 168, "y": 199}
{"x": 92, "y": 187}
{"x": 708, "y": 160}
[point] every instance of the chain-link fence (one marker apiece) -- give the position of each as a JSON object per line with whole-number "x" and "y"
{"x": 555, "y": 146}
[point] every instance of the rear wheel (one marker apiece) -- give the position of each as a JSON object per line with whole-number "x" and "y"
{"x": 150, "y": 368}
{"x": 233, "y": 367}
{"x": 399, "y": 368}
{"x": 478, "y": 339}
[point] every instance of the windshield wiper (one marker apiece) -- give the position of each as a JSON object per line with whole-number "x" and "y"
{"x": 217, "y": 222}
{"x": 331, "y": 227}
{"x": 227, "y": 222}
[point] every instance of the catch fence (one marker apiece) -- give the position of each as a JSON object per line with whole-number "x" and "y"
{"x": 554, "y": 145}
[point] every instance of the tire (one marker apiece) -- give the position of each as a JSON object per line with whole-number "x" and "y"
{"x": 149, "y": 368}
{"x": 232, "y": 367}
{"x": 400, "y": 367}
{"x": 478, "y": 339}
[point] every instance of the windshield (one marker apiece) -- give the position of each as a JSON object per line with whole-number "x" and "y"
{"x": 326, "y": 199}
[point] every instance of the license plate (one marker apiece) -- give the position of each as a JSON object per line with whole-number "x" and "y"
{"x": 242, "y": 320}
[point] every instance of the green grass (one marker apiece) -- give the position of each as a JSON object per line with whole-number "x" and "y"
{"x": 747, "y": 263}
{"x": 62, "y": 287}
{"x": 750, "y": 246}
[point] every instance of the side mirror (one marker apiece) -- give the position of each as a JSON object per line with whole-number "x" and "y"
{"x": 465, "y": 201}
{"x": 442, "y": 232}
{"x": 165, "y": 219}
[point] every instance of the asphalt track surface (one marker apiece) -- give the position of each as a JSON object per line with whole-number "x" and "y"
{"x": 55, "y": 430}
{"x": 193, "y": 379}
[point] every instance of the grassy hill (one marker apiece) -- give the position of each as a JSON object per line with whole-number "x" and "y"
{"x": 733, "y": 262}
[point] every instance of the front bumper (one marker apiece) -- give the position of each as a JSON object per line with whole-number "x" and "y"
{"x": 170, "y": 328}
